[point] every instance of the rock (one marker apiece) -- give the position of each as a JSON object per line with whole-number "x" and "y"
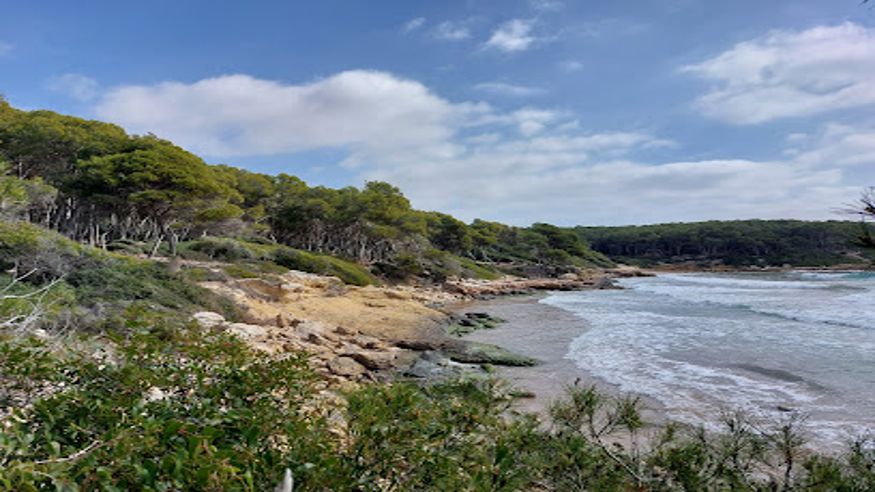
{"x": 478, "y": 315}
{"x": 340, "y": 330}
{"x": 374, "y": 360}
{"x": 366, "y": 341}
{"x": 292, "y": 287}
{"x": 398, "y": 295}
{"x": 345, "y": 366}
{"x": 246, "y": 331}
{"x": 605, "y": 283}
{"x": 308, "y": 328}
{"x": 208, "y": 319}
{"x": 418, "y": 344}
{"x": 433, "y": 365}
{"x": 335, "y": 289}
{"x": 422, "y": 369}
{"x": 292, "y": 347}
{"x": 155, "y": 394}
{"x": 435, "y": 357}
{"x": 315, "y": 339}
{"x": 484, "y": 353}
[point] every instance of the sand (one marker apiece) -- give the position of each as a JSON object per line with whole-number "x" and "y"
{"x": 543, "y": 332}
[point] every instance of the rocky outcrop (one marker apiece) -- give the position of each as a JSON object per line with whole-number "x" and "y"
{"x": 352, "y": 334}
{"x": 511, "y": 286}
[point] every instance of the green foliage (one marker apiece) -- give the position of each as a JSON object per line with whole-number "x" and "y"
{"x": 13, "y": 194}
{"x": 475, "y": 270}
{"x": 347, "y": 271}
{"x": 28, "y": 247}
{"x": 240, "y": 271}
{"x": 543, "y": 249}
{"x": 100, "y": 280}
{"x": 736, "y": 243}
{"x": 93, "y": 183}
{"x": 221, "y": 249}
{"x": 443, "y": 437}
{"x": 402, "y": 267}
{"x": 266, "y": 257}
{"x": 175, "y": 409}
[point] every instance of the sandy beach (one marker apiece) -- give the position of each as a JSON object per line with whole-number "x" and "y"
{"x": 543, "y": 332}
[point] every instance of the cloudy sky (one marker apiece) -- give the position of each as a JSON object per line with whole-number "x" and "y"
{"x": 572, "y": 112}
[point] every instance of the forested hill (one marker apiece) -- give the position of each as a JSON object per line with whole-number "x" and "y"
{"x": 733, "y": 243}
{"x": 94, "y": 183}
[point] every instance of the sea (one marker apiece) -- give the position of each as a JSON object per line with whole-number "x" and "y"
{"x": 769, "y": 344}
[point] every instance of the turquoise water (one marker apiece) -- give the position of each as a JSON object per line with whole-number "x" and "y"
{"x": 702, "y": 344}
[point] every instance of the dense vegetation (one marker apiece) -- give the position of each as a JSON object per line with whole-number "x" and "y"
{"x": 105, "y": 386}
{"x": 93, "y": 183}
{"x": 735, "y": 243}
{"x": 170, "y": 407}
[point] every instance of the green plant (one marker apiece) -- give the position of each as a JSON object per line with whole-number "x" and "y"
{"x": 174, "y": 408}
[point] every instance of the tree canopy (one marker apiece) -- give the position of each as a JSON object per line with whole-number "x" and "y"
{"x": 100, "y": 185}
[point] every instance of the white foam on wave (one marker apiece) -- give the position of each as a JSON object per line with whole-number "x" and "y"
{"x": 675, "y": 339}
{"x": 842, "y": 303}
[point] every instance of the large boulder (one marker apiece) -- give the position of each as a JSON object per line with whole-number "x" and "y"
{"x": 345, "y": 366}
{"x": 374, "y": 359}
{"x": 483, "y": 353}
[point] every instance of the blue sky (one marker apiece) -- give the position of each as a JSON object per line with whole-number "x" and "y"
{"x": 587, "y": 112}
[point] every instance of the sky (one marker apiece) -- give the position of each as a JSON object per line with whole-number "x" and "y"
{"x": 570, "y": 112}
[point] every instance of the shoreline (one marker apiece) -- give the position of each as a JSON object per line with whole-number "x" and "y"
{"x": 543, "y": 332}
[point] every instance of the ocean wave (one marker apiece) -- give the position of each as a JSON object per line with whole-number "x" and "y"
{"x": 701, "y": 345}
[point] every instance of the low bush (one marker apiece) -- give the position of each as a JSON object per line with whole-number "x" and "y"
{"x": 221, "y": 249}
{"x": 347, "y": 271}
{"x": 174, "y": 407}
{"x": 99, "y": 280}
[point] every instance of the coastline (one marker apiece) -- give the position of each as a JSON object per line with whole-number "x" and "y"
{"x": 543, "y": 332}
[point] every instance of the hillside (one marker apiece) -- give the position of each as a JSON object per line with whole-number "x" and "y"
{"x": 95, "y": 184}
{"x": 733, "y": 243}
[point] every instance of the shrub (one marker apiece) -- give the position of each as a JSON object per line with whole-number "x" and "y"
{"x": 222, "y": 249}
{"x": 29, "y": 247}
{"x": 177, "y": 409}
{"x": 347, "y": 271}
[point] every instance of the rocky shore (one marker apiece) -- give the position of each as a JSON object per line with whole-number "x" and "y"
{"x": 354, "y": 334}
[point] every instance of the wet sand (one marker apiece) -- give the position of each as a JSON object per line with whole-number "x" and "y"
{"x": 543, "y": 332}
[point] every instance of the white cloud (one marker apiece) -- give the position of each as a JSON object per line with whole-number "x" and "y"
{"x": 75, "y": 85}
{"x": 570, "y": 66}
{"x": 513, "y": 36}
{"x": 413, "y": 24}
{"x": 524, "y": 165}
{"x": 840, "y": 145}
{"x": 6, "y": 48}
{"x": 512, "y": 90}
{"x": 239, "y": 114}
{"x": 452, "y": 31}
{"x": 790, "y": 74}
